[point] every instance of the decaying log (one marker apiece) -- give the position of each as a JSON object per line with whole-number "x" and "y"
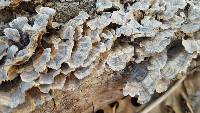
{"x": 52, "y": 61}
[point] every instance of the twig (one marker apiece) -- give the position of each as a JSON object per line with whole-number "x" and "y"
{"x": 163, "y": 97}
{"x": 194, "y": 68}
{"x": 187, "y": 102}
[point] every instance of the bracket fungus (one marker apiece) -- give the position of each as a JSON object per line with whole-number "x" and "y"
{"x": 93, "y": 43}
